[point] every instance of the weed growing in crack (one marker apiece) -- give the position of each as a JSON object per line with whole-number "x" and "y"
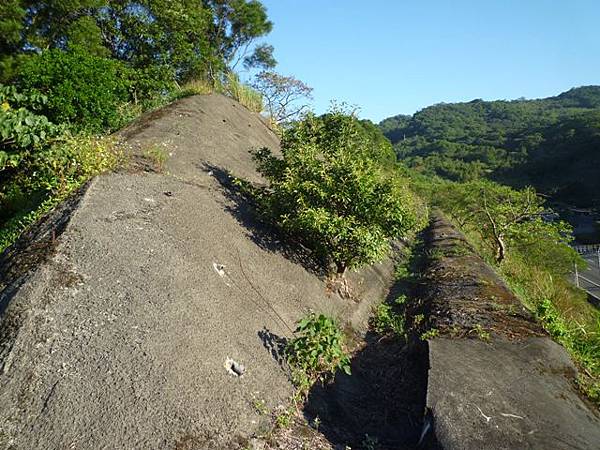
{"x": 387, "y": 320}
{"x": 481, "y": 332}
{"x": 158, "y": 156}
{"x": 430, "y": 334}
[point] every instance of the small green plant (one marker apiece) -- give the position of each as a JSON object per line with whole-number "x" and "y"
{"x": 386, "y": 320}
{"x": 317, "y": 351}
{"x": 194, "y": 87}
{"x": 481, "y": 332}
{"x": 401, "y": 272}
{"x": 285, "y": 418}
{"x": 158, "y": 156}
{"x": 370, "y": 442}
{"x": 316, "y": 423}
{"x": 430, "y": 334}
{"x": 418, "y": 319}
{"x": 260, "y": 406}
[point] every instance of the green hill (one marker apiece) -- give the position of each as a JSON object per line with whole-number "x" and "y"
{"x": 552, "y": 144}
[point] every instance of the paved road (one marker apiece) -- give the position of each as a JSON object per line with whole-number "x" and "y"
{"x": 589, "y": 279}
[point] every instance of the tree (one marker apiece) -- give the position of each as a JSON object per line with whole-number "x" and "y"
{"x": 261, "y": 58}
{"x": 236, "y": 24}
{"x": 329, "y": 192}
{"x": 284, "y": 96}
{"x": 191, "y": 38}
{"x": 504, "y": 217}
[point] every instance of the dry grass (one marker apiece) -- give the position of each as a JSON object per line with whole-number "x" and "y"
{"x": 243, "y": 93}
{"x": 196, "y": 87}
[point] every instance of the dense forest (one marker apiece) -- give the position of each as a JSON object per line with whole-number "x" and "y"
{"x": 552, "y": 144}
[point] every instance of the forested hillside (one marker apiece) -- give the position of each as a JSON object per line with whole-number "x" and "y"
{"x": 552, "y": 144}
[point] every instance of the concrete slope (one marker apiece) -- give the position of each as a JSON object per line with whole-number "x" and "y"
{"x": 149, "y": 282}
{"x": 496, "y": 380}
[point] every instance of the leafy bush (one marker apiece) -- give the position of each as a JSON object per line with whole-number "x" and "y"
{"x": 82, "y": 89}
{"x": 317, "y": 351}
{"x": 21, "y": 130}
{"x": 329, "y": 192}
{"x": 47, "y": 177}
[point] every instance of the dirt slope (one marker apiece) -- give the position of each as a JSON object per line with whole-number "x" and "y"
{"x": 119, "y": 339}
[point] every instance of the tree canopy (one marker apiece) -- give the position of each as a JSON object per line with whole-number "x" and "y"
{"x": 189, "y": 38}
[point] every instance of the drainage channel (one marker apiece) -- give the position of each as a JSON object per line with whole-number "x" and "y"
{"x": 382, "y": 405}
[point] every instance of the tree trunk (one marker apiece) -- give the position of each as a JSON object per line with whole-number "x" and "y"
{"x": 341, "y": 269}
{"x": 341, "y": 282}
{"x": 500, "y": 249}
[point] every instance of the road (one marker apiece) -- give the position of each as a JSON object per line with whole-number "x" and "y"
{"x": 589, "y": 279}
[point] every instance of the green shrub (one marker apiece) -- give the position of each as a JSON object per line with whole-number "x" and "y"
{"x": 317, "y": 351}
{"x": 47, "y": 177}
{"x": 22, "y": 131}
{"x": 329, "y": 192}
{"x": 82, "y": 90}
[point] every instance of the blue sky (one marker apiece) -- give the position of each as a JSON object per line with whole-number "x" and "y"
{"x": 396, "y": 56}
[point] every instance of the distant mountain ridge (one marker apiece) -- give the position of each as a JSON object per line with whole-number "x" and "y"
{"x": 551, "y": 143}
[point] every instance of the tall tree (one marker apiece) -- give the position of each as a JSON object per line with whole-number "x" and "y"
{"x": 188, "y": 38}
{"x": 285, "y": 96}
{"x": 236, "y": 26}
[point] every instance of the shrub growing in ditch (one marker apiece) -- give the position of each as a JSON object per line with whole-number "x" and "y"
{"x": 388, "y": 320}
{"x": 317, "y": 351}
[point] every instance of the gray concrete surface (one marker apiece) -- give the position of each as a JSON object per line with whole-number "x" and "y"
{"x": 507, "y": 395}
{"x": 119, "y": 340}
{"x": 496, "y": 379}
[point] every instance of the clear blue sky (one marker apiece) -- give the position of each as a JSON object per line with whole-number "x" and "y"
{"x": 398, "y": 56}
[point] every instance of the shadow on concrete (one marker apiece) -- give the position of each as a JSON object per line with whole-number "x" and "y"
{"x": 383, "y": 402}
{"x": 275, "y": 345}
{"x": 266, "y": 236}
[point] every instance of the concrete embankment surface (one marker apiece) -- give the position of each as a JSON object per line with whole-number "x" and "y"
{"x": 496, "y": 380}
{"x": 120, "y": 312}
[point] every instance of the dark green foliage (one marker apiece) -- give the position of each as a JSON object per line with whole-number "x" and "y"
{"x": 552, "y": 144}
{"x": 317, "y": 351}
{"x": 82, "y": 90}
{"x": 382, "y": 150}
{"x": 194, "y": 39}
{"x": 331, "y": 192}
